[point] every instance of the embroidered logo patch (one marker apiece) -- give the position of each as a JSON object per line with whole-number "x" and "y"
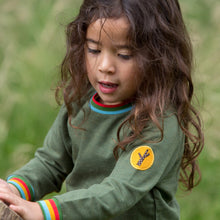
{"x": 142, "y": 158}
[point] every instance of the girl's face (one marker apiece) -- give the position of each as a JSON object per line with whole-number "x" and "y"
{"x": 111, "y": 66}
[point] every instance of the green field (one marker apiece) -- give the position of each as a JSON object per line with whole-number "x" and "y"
{"x": 32, "y": 45}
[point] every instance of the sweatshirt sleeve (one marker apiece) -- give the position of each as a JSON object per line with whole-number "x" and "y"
{"x": 139, "y": 169}
{"x": 46, "y": 172}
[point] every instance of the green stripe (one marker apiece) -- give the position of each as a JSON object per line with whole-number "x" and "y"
{"x": 42, "y": 209}
{"x": 59, "y": 208}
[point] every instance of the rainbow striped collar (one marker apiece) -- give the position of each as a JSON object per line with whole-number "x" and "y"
{"x": 109, "y": 109}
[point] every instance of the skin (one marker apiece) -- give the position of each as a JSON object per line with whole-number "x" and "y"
{"x": 27, "y": 210}
{"x": 111, "y": 67}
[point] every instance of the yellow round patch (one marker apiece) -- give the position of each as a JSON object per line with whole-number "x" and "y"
{"x": 142, "y": 158}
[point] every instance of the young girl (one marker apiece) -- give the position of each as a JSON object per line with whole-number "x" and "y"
{"x": 128, "y": 131}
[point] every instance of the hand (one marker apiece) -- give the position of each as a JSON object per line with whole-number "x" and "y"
{"x": 27, "y": 210}
{"x": 6, "y": 187}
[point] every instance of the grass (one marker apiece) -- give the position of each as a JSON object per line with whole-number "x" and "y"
{"x": 32, "y": 47}
{"x": 29, "y": 59}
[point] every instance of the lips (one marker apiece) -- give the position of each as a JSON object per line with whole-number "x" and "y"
{"x": 107, "y": 87}
{"x": 108, "y": 84}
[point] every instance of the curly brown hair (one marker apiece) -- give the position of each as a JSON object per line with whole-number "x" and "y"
{"x": 163, "y": 51}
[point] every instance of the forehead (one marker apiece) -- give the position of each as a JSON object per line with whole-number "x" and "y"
{"x": 115, "y": 29}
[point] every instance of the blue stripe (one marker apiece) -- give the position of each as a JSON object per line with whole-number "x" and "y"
{"x": 10, "y": 177}
{"x": 46, "y": 210}
{"x": 19, "y": 188}
{"x": 110, "y": 112}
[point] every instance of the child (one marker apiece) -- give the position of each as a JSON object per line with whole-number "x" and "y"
{"x": 124, "y": 138}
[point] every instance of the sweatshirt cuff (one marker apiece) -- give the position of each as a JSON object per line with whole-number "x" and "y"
{"x": 23, "y": 186}
{"x": 51, "y": 209}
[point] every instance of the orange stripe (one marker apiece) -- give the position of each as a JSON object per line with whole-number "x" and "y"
{"x": 50, "y": 208}
{"x": 56, "y": 212}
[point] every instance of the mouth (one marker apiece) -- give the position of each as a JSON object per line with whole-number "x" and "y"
{"x": 108, "y": 84}
{"x": 107, "y": 87}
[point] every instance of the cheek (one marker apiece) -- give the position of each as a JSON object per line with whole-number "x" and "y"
{"x": 133, "y": 76}
{"x": 90, "y": 64}
{"x": 90, "y": 72}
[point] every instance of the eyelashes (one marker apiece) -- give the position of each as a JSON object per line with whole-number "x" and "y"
{"x": 93, "y": 51}
{"x": 120, "y": 55}
{"x": 125, "y": 57}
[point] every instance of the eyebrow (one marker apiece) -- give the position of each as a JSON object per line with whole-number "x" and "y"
{"x": 118, "y": 46}
{"x": 92, "y": 41}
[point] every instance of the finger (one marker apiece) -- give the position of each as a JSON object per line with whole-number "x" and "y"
{"x": 4, "y": 186}
{"x": 9, "y": 198}
{"x": 3, "y": 183}
{"x": 18, "y": 209}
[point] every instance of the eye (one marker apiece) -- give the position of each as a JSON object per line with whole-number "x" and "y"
{"x": 125, "y": 57}
{"x": 93, "y": 51}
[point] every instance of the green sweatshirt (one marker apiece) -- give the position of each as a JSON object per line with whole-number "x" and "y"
{"x": 141, "y": 184}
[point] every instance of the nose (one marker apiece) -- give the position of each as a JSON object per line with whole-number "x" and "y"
{"x": 106, "y": 64}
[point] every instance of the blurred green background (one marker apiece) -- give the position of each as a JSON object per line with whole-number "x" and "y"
{"x": 32, "y": 45}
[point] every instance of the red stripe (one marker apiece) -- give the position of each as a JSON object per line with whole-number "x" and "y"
{"x": 54, "y": 209}
{"x": 108, "y": 106}
{"x": 25, "y": 186}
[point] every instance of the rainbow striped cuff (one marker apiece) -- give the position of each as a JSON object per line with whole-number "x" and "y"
{"x": 51, "y": 209}
{"x": 24, "y": 187}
